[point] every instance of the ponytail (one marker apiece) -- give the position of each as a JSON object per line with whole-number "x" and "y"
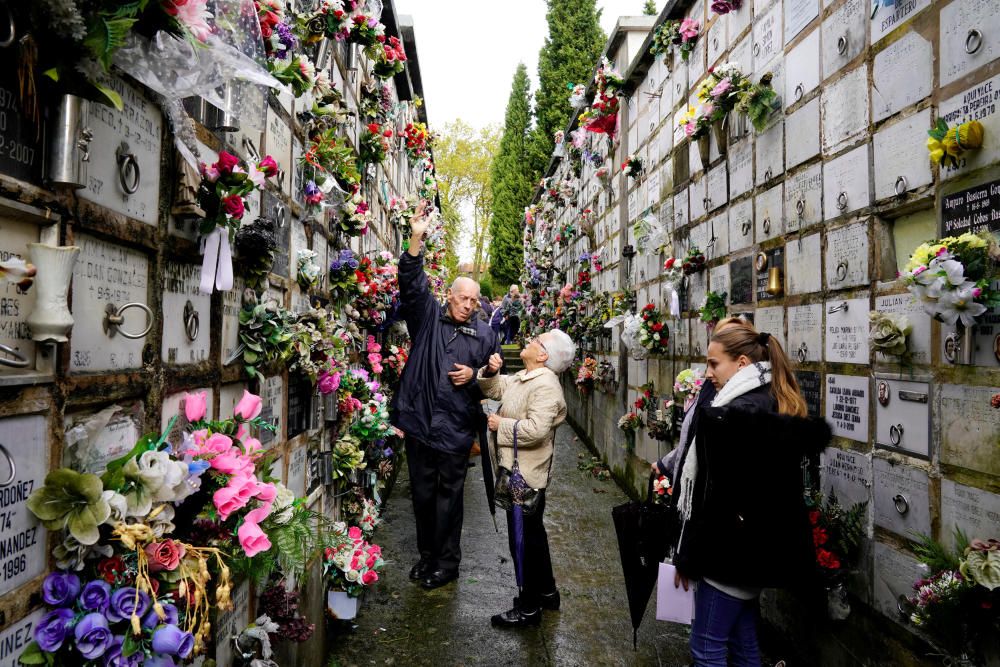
{"x": 745, "y": 341}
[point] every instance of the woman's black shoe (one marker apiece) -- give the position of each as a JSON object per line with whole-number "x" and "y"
{"x": 439, "y": 578}
{"x": 420, "y": 570}
{"x": 517, "y": 618}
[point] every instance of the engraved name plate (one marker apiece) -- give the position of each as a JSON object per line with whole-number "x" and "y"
{"x": 901, "y": 162}
{"x": 976, "y": 103}
{"x": 16, "y": 636}
{"x": 798, "y": 14}
{"x": 963, "y": 50}
{"x": 803, "y": 258}
{"x": 23, "y": 549}
{"x": 970, "y": 428}
{"x": 187, "y": 322}
{"x": 848, "y": 474}
{"x": 21, "y": 148}
{"x": 803, "y": 198}
{"x": 900, "y": 493}
{"x": 740, "y": 163}
{"x": 805, "y": 332}
{"x": 845, "y": 183}
{"x": 975, "y": 511}
{"x": 811, "y": 386}
{"x": 847, "y": 331}
{"x": 847, "y": 406}
{"x": 920, "y": 337}
{"x": 771, "y": 320}
{"x": 847, "y": 256}
{"x": 902, "y": 415}
{"x": 845, "y": 109}
{"x": 766, "y": 31}
{"x": 16, "y": 304}
{"x": 885, "y": 19}
{"x": 902, "y": 75}
{"x": 844, "y": 35}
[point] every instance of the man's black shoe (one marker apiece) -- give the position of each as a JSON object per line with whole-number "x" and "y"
{"x": 420, "y": 570}
{"x": 517, "y": 618}
{"x": 439, "y": 578}
{"x": 547, "y": 600}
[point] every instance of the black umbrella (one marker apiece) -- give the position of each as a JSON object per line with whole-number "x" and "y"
{"x": 487, "y": 463}
{"x": 643, "y": 529}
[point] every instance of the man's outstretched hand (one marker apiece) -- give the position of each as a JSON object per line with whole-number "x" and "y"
{"x": 461, "y": 375}
{"x": 418, "y": 227}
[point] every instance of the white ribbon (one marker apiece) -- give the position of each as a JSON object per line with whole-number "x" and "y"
{"x": 675, "y": 304}
{"x": 218, "y": 261}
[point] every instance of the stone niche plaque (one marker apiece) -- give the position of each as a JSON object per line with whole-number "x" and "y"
{"x": 885, "y": 19}
{"x": 976, "y": 103}
{"x": 681, "y": 217}
{"x": 975, "y": 511}
{"x": 803, "y": 126}
{"x": 682, "y": 338}
{"x": 847, "y": 406}
{"x": 94, "y": 439}
{"x": 848, "y": 474}
{"x": 805, "y": 332}
{"x": 847, "y": 256}
{"x": 300, "y": 399}
{"x": 804, "y": 198}
{"x": 847, "y": 331}
{"x": 187, "y": 315}
{"x": 920, "y": 337}
{"x": 768, "y": 213}
{"x": 125, "y": 152}
{"x": 844, "y": 35}
{"x": 811, "y": 386}
{"x": 970, "y": 428}
{"x": 16, "y": 304}
{"x": 16, "y": 636}
{"x": 902, "y": 415}
{"x": 23, "y": 550}
{"x": 21, "y": 147}
{"x": 770, "y": 153}
{"x": 741, "y": 225}
{"x": 901, "y": 162}
{"x": 740, "y": 164}
{"x": 278, "y": 144}
{"x": 960, "y": 52}
{"x": 719, "y": 279}
{"x": 973, "y": 210}
{"x": 273, "y": 394}
{"x": 766, "y": 32}
{"x": 845, "y": 110}
{"x": 803, "y": 265}
{"x": 297, "y": 471}
{"x": 802, "y": 72}
{"x": 902, "y": 74}
{"x": 277, "y": 210}
{"x": 798, "y": 14}
{"x": 771, "y": 320}
{"x": 105, "y": 274}
{"x": 231, "y": 305}
{"x": 900, "y": 498}
{"x": 716, "y": 190}
{"x": 895, "y": 573}
{"x": 228, "y": 624}
{"x": 845, "y": 183}
{"x": 775, "y": 259}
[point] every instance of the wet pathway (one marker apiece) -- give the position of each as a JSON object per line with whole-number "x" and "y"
{"x": 400, "y": 623}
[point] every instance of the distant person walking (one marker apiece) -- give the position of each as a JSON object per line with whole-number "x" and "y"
{"x": 513, "y": 310}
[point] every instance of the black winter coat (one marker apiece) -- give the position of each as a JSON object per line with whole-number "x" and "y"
{"x": 427, "y": 406}
{"x": 749, "y": 525}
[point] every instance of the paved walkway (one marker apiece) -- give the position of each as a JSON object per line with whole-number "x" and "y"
{"x": 400, "y": 623}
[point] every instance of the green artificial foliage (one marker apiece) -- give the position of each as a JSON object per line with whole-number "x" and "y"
{"x": 511, "y": 183}
{"x": 571, "y": 50}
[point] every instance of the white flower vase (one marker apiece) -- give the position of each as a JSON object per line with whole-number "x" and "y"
{"x": 341, "y": 606}
{"x": 51, "y": 320}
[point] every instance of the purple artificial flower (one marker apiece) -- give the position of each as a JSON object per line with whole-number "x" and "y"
{"x": 352, "y": 263}
{"x": 92, "y": 636}
{"x": 286, "y": 38}
{"x": 585, "y": 257}
{"x": 151, "y": 620}
{"x": 722, "y": 7}
{"x": 172, "y": 640}
{"x": 311, "y": 189}
{"x": 124, "y": 603}
{"x": 113, "y": 655}
{"x": 60, "y": 589}
{"x": 335, "y": 265}
{"x": 387, "y": 452}
{"x": 360, "y": 373}
{"x": 96, "y": 596}
{"x": 51, "y": 631}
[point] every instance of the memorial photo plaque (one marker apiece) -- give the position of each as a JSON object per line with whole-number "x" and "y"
{"x": 847, "y": 406}
{"x": 902, "y": 415}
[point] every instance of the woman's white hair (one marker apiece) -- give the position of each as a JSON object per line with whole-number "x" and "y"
{"x": 561, "y": 350}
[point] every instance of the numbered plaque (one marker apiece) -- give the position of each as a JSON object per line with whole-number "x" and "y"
{"x": 21, "y": 149}
{"x": 902, "y": 75}
{"x": 187, "y": 315}
{"x": 16, "y": 636}
{"x": 847, "y": 406}
{"x": 24, "y": 554}
{"x": 847, "y": 331}
{"x": 900, "y": 495}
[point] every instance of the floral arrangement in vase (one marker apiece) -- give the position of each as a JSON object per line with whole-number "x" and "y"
{"x": 353, "y": 564}
{"x": 586, "y": 374}
{"x": 630, "y": 422}
{"x": 330, "y": 20}
{"x": 653, "y": 332}
{"x": 418, "y": 140}
{"x": 682, "y": 33}
{"x": 392, "y": 60}
{"x": 374, "y": 144}
{"x": 714, "y": 308}
{"x": 687, "y": 386}
{"x": 330, "y": 154}
{"x": 632, "y": 166}
{"x": 694, "y": 261}
{"x": 947, "y": 145}
{"x": 696, "y": 122}
{"x": 889, "y": 334}
{"x": 837, "y": 534}
{"x": 393, "y": 364}
{"x": 367, "y": 31}
{"x": 355, "y": 216}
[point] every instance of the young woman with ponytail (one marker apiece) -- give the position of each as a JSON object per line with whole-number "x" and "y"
{"x": 744, "y": 525}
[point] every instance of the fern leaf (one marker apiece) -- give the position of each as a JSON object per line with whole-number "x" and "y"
{"x": 105, "y": 36}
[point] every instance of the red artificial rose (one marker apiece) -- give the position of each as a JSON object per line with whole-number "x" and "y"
{"x": 233, "y": 204}
{"x": 373, "y": 128}
{"x": 387, "y": 134}
{"x": 658, "y": 327}
{"x": 165, "y": 555}
{"x": 819, "y": 536}
{"x": 814, "y": 517}
{"x": 669, "y": 264}
{"x": 827, "y": 559}
{"x": 226, "y": 162}
{"x": 111, "y": 569}
{"x": 268, "y": 166}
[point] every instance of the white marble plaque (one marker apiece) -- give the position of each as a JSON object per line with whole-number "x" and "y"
{"x": 975, "y": 511}
{"x": 885, "y": 19}
{"x": 802, "y": 128}
{"x": 696, "y": 63}
{"x": 297, "y": 471}
{"x": 768, "y": 208}
{"x": 715, "y": 188}
{"x": 653, "y": 187}
{"x": 740, "y": 164}
{"x": 633, "y": 207}
{"x": 697, "y": 287}
{"x": 698, "y": 198}
{"x": 846, "y": 183}
{"x": 847, "y": 406}
{"x": 901, "y": 162}
{"x": 95, "y": 439}
{"x": 805, "y": 332}
{"x": 848, "y": 474}
{"x": 771, "y": 320}
{"x": 970, "y": 428}
{"x": 253, "y": 98}
{"x": 895, "y": 574}
{"x": 739, "y": 21}
{"x": 980, "y": 102}
{"x": 766, "y": 37}
{"x": 231, "y": 306}
{"x": 718, "y": 236}
{"x": 958, "y": 21}
{"x": 847, "y": 331}
{"x": 278, "y": 144}
{"x": 741, "y": 225}
{"x": 718, "y": 279}
{"x": 229, "y": 624}
{"x": 802, "y": 271}
{"x": 902, "y": 415}
{"x": 798, "y": 14}
{"x": 770, "y": 153}
{"x": 845, "y": 109}
{"x": 803, "y": 198}
{"x": 717, "y": 39}
{"x": 900, "y": 494}
{"x": 844, "y": 35}
{"x": 23, "y": 549}
{"x": 920, "y": 337}
{"x": 181, "y": 322}
{"x": 16, "y": 636}
{"x": 16, "y": 304}
{"x": 902, "y": 75}
{"x": 273, "y": 410}
{"x": 106, "y": 273}
{"x": 802, "y": 67}
{"x": 847, "y": 256}
{"x": 135, "y": 132}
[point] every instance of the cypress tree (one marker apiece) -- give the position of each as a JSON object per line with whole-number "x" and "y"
{"x": 569, "y": 56}
{"x": 511, "y": 182}
{"x": 649, "y": 9}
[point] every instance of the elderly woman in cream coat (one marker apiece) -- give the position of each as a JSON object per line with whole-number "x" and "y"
{"x": 533, "y": 399}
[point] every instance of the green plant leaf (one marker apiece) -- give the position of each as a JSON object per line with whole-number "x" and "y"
{"x": 32, "y": 655}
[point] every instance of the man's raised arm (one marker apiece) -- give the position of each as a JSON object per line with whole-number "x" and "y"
{"x": 416, "y": 300}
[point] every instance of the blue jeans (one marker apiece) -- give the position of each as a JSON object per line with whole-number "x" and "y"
{"x": 723, "y": 626}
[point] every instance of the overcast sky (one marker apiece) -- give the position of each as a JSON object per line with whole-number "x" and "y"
{"x": 469, "y": 49}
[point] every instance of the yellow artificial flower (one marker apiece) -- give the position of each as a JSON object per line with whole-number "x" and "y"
{"x": 936, "y": 150}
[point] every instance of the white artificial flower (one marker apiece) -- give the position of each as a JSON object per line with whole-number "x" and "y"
{"x": 119, "y": 507}
{"x": 960, "y": 304}
{"x": 163, "y": 523}
{"x": 954, "y": 271}
{"x": 281, "y": 511}
{"x": 352, "y": 575}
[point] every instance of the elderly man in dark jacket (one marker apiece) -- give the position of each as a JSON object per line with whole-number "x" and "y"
{"x": 438, "y": 405}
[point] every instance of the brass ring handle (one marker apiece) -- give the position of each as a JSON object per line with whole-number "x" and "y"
{"x": 973, "y": 41}
{"x": 745, "y": 227}
{"x": 896, "y": 434}
{"x": 842, "y": 201}
{"x": 10, "y": 462}
{"x": 192, "y": 323}
{"x": 19, "y": 360}
{"x": 900, "y": 503}
{"x": 842, "y": 271}
{"x": 113, "y": 320}
{"x": 800, "y": 207}
{"x": 128, "y": 169}
{"x": 799, "y": 91}
{"x": 12, "y": 29}
{"x": 842, "y": 44}
{"x": 767, "y": 225}
{"x": 900, "y": 186}
{"x": 803, "y": 352}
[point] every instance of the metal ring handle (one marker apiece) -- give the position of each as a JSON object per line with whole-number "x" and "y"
{"x": 127, "y": 164}
{"x": 799, "y": 92}
{"x": 900, "y": 503}
{"x": 973, "y": 41}
{"x": 13, "y": 467}
{"x": 767, "y": 225}
{"x": 706, "y": 202}
{"x": 842, "y": 270}
{"x": 715, "y": 42}
{"x": 896, "y": 434}
{"x": 842, "y": 44}
{"x": 756, "y": 49}
{"x": 678, "y": 88}
{"x": 192, "y": 323}
{"x": 12, "y": 27}
{"x": 280, "y": 213}
{"x": 113, "y": 320}
{"x": 901, "y": 603}
{"x": 836, "y": 309}
{"x": 19, "y": 360}
{"x": 803, "y": 352}
{"x": 767, "y": 174}
{"x": 842, "y": 201}
{"x": 900, "y": 186}
{"x": 745, "y": 227}
{"x": 800, "y": 207}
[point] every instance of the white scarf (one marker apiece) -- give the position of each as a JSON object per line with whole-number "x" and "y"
{"x": 746, "y": 379}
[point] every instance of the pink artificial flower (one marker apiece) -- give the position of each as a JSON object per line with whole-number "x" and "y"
{"x": 977, "y": 292}
{"x": 226, "y": 162}
{"x": 354, "y": 533}
{"x": 251, "y": 446}
{"x": 328, "y": 382}
{"x": 268, "y": 166}
{"x": 192, "y": 14}
{"x": 689, "y": 128}
{"x": 252, "y": 538}
{"x": 234, "y": 496}
{"x": 233, "y": 462}
{"x": 209, "y": 173}
{"x": 689, "y": 29}
{"x": 217, "y": 443}
{"x": 194, "y": 406}
{"x": 242, "y": 431}
{"x": 233, "y": 205}
{"x": 721, "y": 87}
{"x": 369, "y": 577}
{"x": 249, "y": 406}
{"x": 920, "y": 269}
{"x": 266, "y": 492}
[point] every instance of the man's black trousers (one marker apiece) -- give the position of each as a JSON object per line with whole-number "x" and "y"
{"x": 537, "y": 568}
{"x": 437, "y": 484}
